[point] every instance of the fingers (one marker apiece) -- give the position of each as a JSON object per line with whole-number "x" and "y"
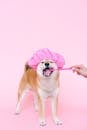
{"x": 77, "y": 66}
{"x": 77, "y": 71}
{"x": 80, "y": 70}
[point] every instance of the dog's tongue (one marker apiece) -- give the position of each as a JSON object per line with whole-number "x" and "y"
{"x": 47, "y": 72}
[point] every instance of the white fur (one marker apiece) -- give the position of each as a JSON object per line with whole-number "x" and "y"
{"x": 48, "y": 89}
{"x": 41, "y": 66}
{"x": 20, "y": 101}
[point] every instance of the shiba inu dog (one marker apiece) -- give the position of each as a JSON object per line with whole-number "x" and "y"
{"x": 44, "y": 81}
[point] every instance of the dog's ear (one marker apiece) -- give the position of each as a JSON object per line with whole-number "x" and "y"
{"x": 27, "y": 67}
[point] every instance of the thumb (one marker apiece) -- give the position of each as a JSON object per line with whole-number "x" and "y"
{"x": 77, "y": 71}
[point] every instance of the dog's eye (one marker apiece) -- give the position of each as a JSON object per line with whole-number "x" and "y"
{"x": 42, "y": 62}
{"x": 51, "y": 61}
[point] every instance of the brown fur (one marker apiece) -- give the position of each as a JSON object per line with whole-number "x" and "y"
{"x": 28, "y": 78}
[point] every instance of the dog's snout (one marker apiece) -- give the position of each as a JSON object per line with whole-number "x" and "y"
{"x": 46, "y": 64}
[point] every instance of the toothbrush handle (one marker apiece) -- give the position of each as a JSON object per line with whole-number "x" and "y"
{"x": 67, "y": 68}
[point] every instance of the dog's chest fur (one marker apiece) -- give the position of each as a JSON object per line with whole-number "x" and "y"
{"x": 48, "y": 87}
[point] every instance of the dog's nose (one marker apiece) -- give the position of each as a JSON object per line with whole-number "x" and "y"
{"x": 47, "y": 64}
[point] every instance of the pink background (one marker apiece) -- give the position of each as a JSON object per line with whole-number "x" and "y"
{"x": 28, "y": 25}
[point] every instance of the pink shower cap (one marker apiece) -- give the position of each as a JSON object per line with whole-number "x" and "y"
{"x": 45, "y": 53}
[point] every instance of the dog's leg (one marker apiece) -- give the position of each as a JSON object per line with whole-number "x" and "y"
{"x": 20, "y": 99}
{"x": 36, "y": 102}
{"x": 41, "y": 104}
{"x": 54, "y": 110}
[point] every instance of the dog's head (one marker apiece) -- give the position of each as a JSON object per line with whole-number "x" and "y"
{"x": 47, "y": 68}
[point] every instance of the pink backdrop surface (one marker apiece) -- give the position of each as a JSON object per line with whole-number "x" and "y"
{"x": 26, "y": 26}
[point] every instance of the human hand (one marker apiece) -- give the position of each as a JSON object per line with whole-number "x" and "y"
{"x": 80, "y": 70}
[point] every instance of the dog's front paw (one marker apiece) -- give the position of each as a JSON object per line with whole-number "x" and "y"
{"x": 17, "y": 112}
{"x": 42, "y": 122}
{"x": 57, "y": 121}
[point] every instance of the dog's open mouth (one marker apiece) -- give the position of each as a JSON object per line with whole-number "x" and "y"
{"x": 48, "y": 71}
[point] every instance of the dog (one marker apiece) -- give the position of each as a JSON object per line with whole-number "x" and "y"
{"x": 44, "y": 82}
